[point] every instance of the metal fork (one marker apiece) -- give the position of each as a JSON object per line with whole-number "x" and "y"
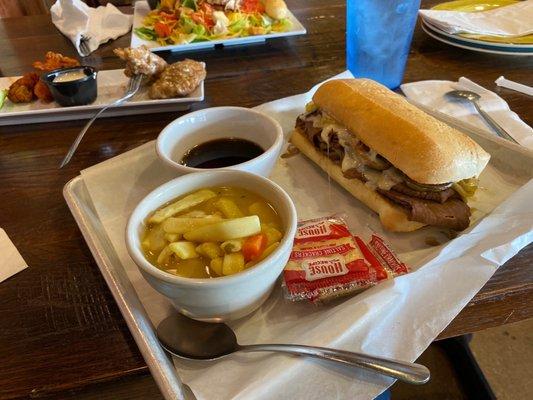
{"x": 84, "y": 46}
{"x": 133, "y": 86}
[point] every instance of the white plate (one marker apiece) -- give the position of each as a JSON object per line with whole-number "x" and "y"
{"x": 111, "y": 86}
{"x": 142, "y": 9}
{"x": 477, "y": 45}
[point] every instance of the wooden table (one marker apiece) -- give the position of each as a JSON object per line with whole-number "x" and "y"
{"x": 59, "y": 326}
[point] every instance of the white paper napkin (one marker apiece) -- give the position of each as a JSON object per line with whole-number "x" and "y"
{"x": 11, "y": 261}
{"x": 511, "y": 21}
{"x": 431, "y": 94}
{"x": 75, "y": 19}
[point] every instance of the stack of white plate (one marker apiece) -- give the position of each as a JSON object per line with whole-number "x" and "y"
{"x": 522, "y": 46}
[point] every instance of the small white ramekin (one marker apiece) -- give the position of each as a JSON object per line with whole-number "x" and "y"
{"x": 208, "y": 124}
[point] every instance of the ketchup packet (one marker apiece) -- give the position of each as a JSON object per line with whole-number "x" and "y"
{"x": 327, "y": 261}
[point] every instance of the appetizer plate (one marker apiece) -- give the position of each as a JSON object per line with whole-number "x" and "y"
{"x": 142, "y": 9}
{"x": 476, "y": 44}
{"x": 111, "y": 86}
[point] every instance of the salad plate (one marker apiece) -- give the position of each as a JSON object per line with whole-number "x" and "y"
{"x": 201, "y": 40}
{"x": 111, "y": 86}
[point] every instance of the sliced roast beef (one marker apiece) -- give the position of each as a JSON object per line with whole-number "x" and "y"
{"x": 353, "y": 173}
{"x": 334, "y": 150}
{"x": 441, "y": 196}
{"x": 453, "y": 213}
{"x": 307, "y": 127}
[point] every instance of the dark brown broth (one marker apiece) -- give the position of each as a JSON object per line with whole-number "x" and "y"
{"x": 220, "y": 153}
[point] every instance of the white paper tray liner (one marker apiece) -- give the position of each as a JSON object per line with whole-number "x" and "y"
{"x": 397, "y": 319}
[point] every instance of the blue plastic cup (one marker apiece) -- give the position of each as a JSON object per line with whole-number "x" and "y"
{"x": 378, "y": 37}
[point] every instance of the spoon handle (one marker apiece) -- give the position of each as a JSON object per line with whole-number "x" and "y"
{"x": 493, "y": 124}
{"x": 404, "y": 371}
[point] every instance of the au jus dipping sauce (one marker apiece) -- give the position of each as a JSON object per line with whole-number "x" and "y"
{"x": 220, "y": 153}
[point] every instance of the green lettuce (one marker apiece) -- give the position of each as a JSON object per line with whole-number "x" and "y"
{"x": 282, "y": 25}
{"x": 145, "y": 33}
{"x": 237, "y": 24}
{"x": 3, "y": 95}
{"x": 190, "y": 4}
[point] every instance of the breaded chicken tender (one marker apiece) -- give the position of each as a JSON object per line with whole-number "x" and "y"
{"x": 141, "y": 61}
{"x": 178, "y": 80}
{"x": 21, "y": 91}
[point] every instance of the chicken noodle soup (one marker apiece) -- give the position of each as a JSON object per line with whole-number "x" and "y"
{"x": 212, "y": 232}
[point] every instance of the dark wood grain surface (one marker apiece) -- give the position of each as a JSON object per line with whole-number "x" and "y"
{"x": 59, "y": 326}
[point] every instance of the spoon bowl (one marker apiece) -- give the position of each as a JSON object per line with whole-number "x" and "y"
{"x": 472, "y": 97}
{"x": 463, "y": 95}
{"x": 188, "y": 338}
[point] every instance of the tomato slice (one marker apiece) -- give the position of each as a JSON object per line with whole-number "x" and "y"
{"x": 162, "y": 30}
{"x": 252, "y": 6}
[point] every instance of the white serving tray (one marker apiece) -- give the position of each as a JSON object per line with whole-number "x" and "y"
{"x": 142, "y": 9}
{"x": 133, "y": 311}
{"x": 111, "y": 86}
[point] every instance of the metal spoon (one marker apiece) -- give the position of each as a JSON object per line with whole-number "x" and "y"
{"x": 185, "y": 337}
{"x": 466, "y": 95}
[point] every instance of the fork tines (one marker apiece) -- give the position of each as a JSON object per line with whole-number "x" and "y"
{"x": 84, "y": 45}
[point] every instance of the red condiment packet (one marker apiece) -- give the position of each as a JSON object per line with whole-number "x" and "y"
{"x": 381, "y": 273}
{"x": 387, "y": 256}
{"x": 318, "y": 229}
{"x": 323, "y": 271}
{"x": 327, "y": 261}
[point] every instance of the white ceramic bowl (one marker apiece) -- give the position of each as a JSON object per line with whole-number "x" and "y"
{"x": 224, "y": 298}
{"x": 208, "y": 124}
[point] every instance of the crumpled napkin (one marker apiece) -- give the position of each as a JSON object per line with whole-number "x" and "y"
{"x": 431, "y": 95}
{"x": 74, "y": 18}
{"x": 511, "y": 21}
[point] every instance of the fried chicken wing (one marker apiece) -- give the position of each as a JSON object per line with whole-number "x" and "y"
{"x": 178, "y": 80}
{"x": 141, "y": 61}
{"x": 42, "y": 92}
{"x": 54, "y": 61}
{"x": 21, "y": 91}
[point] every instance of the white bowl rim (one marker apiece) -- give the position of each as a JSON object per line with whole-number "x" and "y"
{"x": 268, "y": 152}
{"x": 139, "y": 258}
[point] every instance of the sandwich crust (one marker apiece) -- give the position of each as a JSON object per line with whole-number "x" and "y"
{"x": 425, "y": 149}
{"x": 393, "y": 217}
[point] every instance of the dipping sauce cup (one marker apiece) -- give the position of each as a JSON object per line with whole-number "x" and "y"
{"x": 75, "y": 92}
{"x": 216, "y": 123}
